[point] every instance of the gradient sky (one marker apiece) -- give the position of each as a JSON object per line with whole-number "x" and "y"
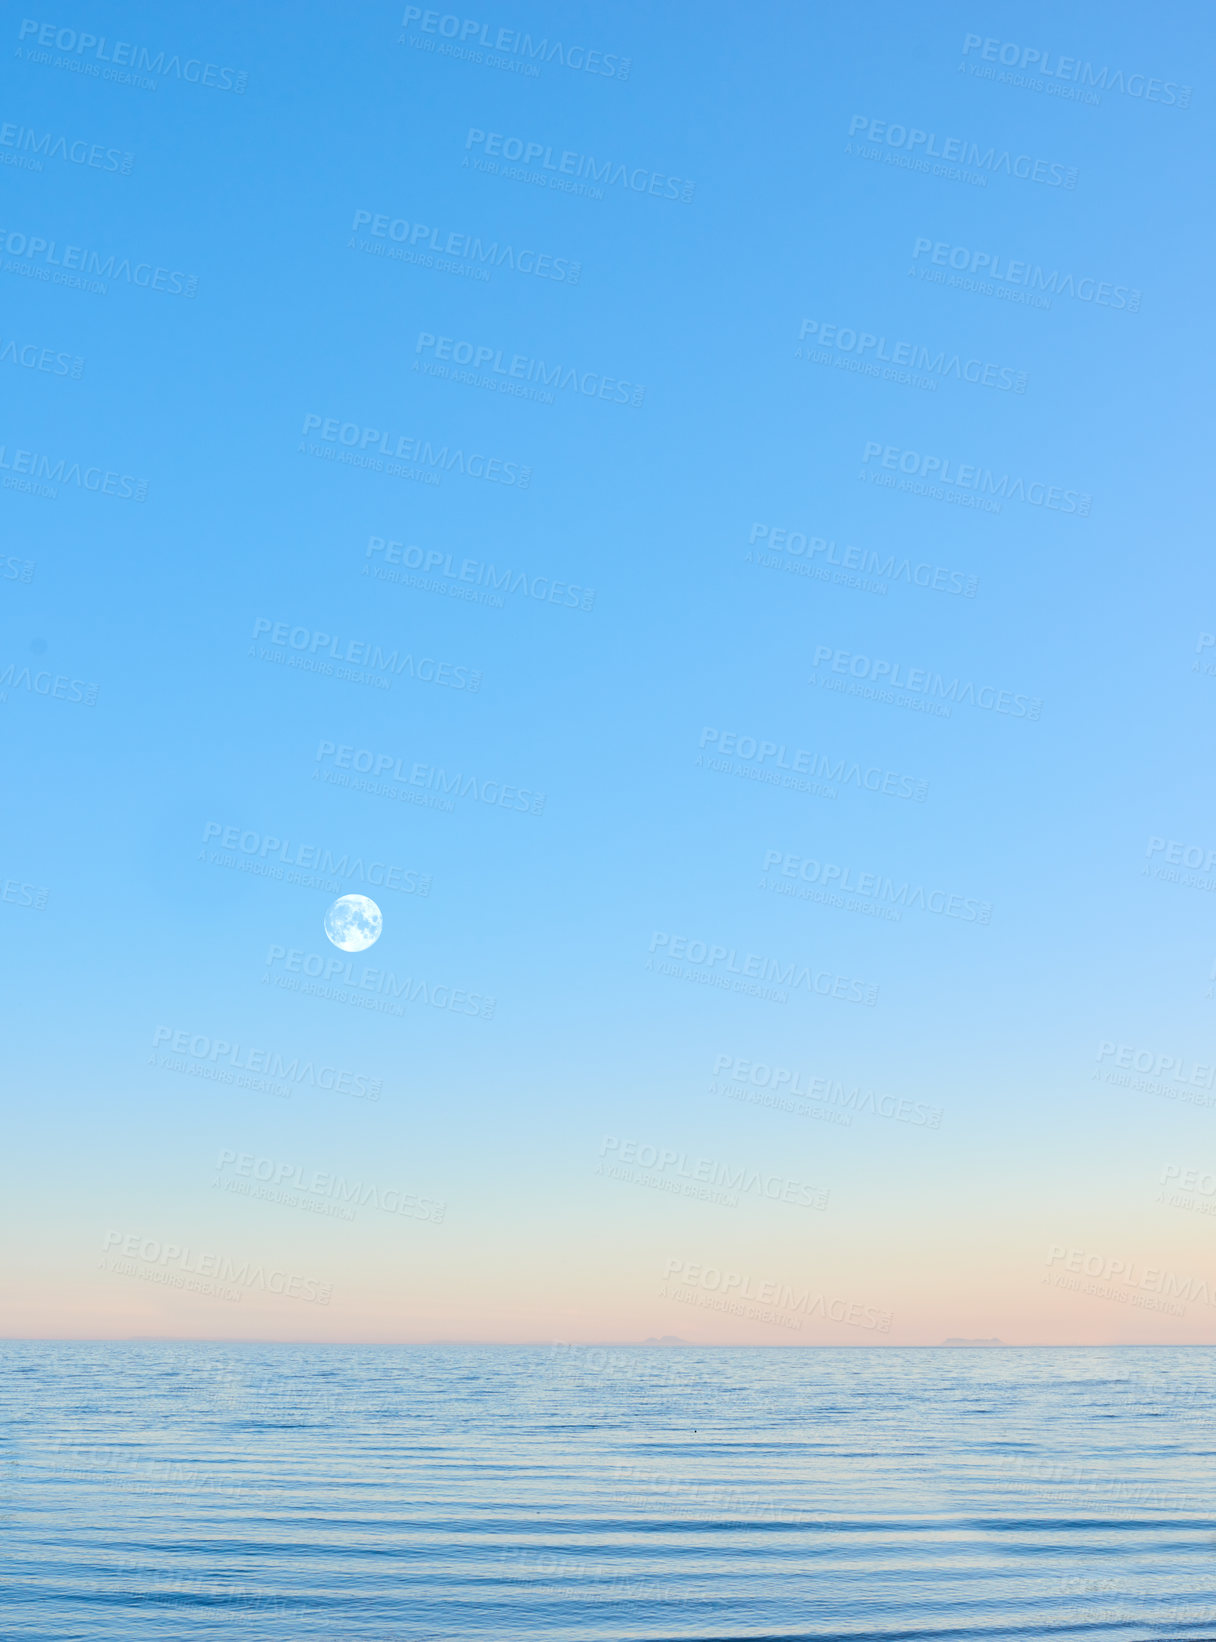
{"x": 1037, "y": 1169}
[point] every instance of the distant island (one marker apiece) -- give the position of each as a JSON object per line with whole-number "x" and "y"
{"x": 664, "y": 1340}
{"x": 957, "y": 1340}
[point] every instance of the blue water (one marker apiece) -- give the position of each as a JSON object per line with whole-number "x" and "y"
{"x": 299, "y": 1492}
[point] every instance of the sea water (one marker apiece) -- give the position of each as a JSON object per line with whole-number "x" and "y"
{"x": 605, "y": 1494}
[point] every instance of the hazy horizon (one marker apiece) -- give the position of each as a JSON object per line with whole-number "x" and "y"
{"x": 622, "y": 1344}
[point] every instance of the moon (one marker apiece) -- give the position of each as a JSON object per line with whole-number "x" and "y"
{"x": 353, "y": 923}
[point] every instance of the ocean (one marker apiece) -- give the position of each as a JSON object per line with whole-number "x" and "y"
{"x": 605, "y": 1494}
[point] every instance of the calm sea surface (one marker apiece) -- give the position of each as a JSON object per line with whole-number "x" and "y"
{"x": 187, "y": 1491}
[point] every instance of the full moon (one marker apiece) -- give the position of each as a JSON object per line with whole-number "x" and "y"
{"x": 353, "y": 923}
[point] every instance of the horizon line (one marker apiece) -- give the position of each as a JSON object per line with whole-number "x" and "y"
{"x": 668, "y": 1344}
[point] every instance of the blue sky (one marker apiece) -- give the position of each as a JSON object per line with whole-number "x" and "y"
{"x": 733, "y": 310}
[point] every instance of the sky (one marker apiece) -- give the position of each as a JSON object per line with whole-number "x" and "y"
{"x": 698, "y": 515}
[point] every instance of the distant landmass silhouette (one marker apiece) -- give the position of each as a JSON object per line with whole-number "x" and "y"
{"x": 957, "y": 1340}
